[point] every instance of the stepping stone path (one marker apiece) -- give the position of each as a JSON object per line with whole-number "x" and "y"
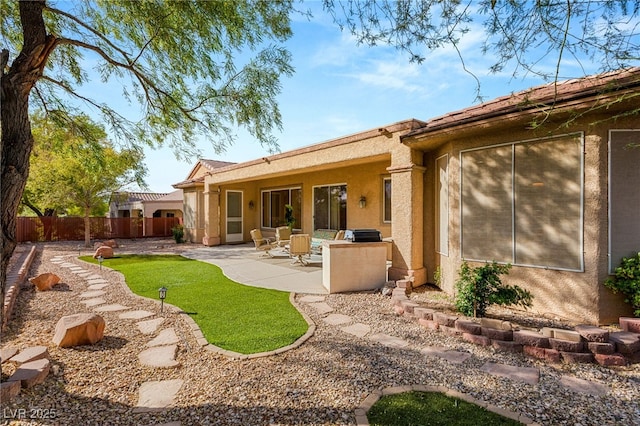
{"x": 528, "y": 375}
{"x": 160, "y": 352}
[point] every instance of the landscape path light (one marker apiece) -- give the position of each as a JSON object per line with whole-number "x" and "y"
{"x": 100, "y": 260}
{"x": 162, "y": 294}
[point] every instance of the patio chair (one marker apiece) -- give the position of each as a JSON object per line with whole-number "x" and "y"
{"x": 283, "y": 234}
{"x": 262, "y": 244}
{"x": 300, "y": 246}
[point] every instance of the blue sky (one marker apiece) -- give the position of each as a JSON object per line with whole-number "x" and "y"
{"x": 340, "y": 88}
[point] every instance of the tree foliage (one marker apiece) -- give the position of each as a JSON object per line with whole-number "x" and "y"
{"x": 197, "y": 68}
{"x": 521, "y": 37}
{"x": 76, "y": 169}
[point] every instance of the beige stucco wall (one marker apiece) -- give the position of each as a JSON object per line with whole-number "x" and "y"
{"x": 365, "y": 180}
{"x": 578, "y": 296}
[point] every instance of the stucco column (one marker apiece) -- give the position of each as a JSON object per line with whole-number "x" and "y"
{"x": 407, "y": 221}
{"x": 211, "y": 216}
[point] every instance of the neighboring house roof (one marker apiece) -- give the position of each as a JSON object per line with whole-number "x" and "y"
{"x": 172, "y": 196}
{"x": 573, "y": 93}
{"x": 196, "y": 175}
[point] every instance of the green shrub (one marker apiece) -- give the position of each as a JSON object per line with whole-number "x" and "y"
{"x": 480, "y": 287}
{"x": 178, "y": 233}
{"x": 626, "y": 280}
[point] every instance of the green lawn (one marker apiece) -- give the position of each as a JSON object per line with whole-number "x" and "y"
{"x": 431, "y": 408}
{"x": 232, "y": 316}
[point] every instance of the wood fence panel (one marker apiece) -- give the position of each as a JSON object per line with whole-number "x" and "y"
{"x": 48, "y": 228}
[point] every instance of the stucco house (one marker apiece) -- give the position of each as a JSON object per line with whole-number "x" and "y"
{"x": 146, "y": 204}
{"x": 543, "y": 179}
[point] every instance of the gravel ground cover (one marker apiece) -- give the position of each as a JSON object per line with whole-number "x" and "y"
{"x": 320, "y": 383}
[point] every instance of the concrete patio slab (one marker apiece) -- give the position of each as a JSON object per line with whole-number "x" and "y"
{"x": 243, "y": 264}
{"x": 528, "y": 375}
{"x": 157, "y": 395}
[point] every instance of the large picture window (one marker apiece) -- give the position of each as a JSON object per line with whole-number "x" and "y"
{"x": 624, "y": 196}
{"x": 273, "y": 207}
{"x": 522, "y": 203}
{"x": 330, "y": 207}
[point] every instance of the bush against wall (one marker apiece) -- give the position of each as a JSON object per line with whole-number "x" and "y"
{"x": 480, "y": 287}
{"x": 626, "y": 280}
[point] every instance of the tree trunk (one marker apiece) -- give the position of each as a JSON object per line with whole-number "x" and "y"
{"x": 87, "y": 226}
{"x": 17, "y": 140}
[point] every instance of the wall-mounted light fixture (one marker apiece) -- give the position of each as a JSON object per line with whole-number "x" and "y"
{"x": 251, "y": 205}
{"x": 363, "y": 202}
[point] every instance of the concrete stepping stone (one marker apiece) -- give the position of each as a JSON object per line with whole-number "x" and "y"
{"x": 149, "y": 326}
{"x": 111, "y": 308}
{"x": 390, "y": 341}
{"x": 92, "y": 294}
{"x": 528, "y": 375}
{"x": 357, "y": 329}
{"x": 93, "y": 302}
{"x": 321, "y": 307}
{"x": 312, "y": 299}
{"x": 135, "y": 314}
{"x": 31, "y": 354}
{"x": 84, "y": 274}
{"x": 337, "y": 319}
{"x": 94, "y": 276}
{"x": 159, "y": 357}
{"x": 7, "y": 353}
{"x": 94, "y": 287}
{"x": 167, "y": 336}
{"x": 584, "y": 386}
{"x": 454, "y": 357}
{"x": 93, "y": 281}
{"x": 68, "y": 265}
{"x": 157, "y": 395}
{"x": 31, "y": 373}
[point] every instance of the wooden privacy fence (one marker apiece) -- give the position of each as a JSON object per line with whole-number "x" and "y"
{"x": 49, "y": 228}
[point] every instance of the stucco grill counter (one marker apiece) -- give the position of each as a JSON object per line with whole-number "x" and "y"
{"x": 354, "y": 266}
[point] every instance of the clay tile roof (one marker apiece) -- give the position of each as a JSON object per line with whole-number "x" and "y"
{"x": 214, "y": 164}
{"x": 536, "y": 98}
{"x": 145, "y": 196}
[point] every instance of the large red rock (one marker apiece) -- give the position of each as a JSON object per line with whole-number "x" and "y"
{"x": 105, "y": 251}
{"x": 46, "y": 281}
{"x": 79, "y": 329}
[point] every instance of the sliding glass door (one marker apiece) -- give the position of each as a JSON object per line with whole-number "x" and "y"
{"x": 330, "y": 207}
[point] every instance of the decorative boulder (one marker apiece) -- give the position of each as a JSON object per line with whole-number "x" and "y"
{"x": 111, "y": 243}
{"x": 79, "y": 329}
{"x": 105, "y": 251}
{"x": 46, "y": 281}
